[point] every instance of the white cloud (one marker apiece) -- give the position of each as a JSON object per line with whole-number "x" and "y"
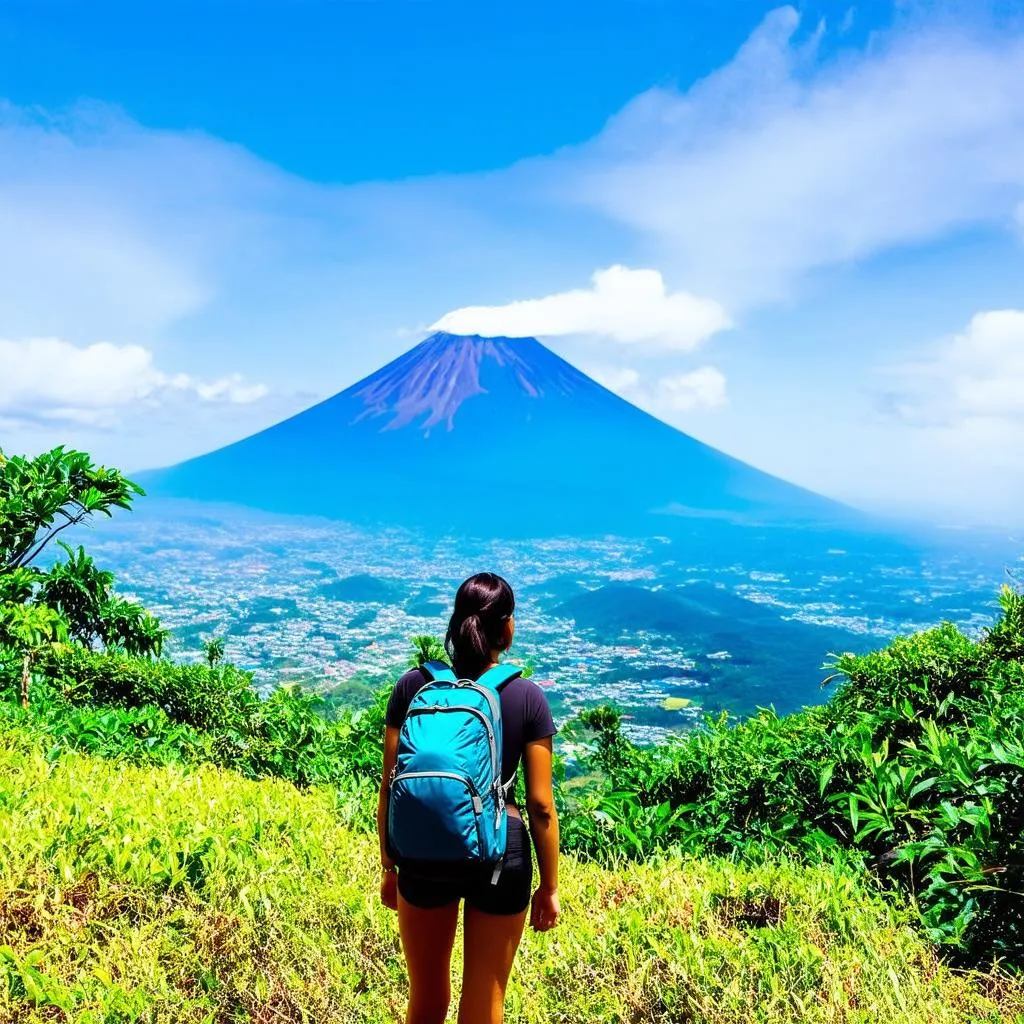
{"x": 965, "y": 405}
{"x": 620, "y": 379}
{"x": 48, "y": 379}
{"x": 233, "y": 389}
{"x": 977, "y": 374}
{"x": 627, "y": 306}
{"x": 97, "y": 239}
{"x": 703, "y": 388}
{"x": 985, "y": 365}
{"x": 779, "y": 162}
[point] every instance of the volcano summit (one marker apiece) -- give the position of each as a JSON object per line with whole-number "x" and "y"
{"x": 487, "y": 436}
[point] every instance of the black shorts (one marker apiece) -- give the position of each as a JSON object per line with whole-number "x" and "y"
{"x": 510, "y": 895}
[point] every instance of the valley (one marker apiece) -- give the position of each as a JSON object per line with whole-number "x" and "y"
{"x": 706, "y": 618}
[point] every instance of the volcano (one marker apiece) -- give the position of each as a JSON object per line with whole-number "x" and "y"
{"x": 486, "y": 436}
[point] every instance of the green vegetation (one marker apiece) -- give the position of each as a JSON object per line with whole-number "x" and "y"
{"x": 39, "y": 499}
{"x": 916, "y": 766}
{"x": 71, "y": 601}
{"x": 859, "y": 861}
{"x": 138, "y": 709}
{"x": 138, "y": 893}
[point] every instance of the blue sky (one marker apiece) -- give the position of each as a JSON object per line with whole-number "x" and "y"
{"x": 794, "y": 232}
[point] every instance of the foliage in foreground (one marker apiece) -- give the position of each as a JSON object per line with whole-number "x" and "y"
{"x": 142, "y": 710}
{"x": 142, "y": 892}
{"x": 71, "y": 601}
{"x": 916, "y": 765}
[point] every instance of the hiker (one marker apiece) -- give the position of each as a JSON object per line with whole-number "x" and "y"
{"x": 448, "y": 823}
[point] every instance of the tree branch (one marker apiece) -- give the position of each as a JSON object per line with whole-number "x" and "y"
{"x": 23, "y": 559}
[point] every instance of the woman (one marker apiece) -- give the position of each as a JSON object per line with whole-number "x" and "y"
{"x": 480, "y": 631}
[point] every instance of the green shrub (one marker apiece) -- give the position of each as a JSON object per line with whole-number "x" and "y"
{"x": 207, "y": 698}
{"x": 131, "y": 707}
{"x": 916, "y": 766}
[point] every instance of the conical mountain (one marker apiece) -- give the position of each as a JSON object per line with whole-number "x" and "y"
{"x": 485, "y": 435}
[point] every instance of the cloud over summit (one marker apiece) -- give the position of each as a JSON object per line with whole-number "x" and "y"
{"x": 628, "y": 306}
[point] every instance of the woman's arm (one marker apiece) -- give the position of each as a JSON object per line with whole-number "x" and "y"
{"x": 387, "y": 887}
{"x": 540, "y": 806}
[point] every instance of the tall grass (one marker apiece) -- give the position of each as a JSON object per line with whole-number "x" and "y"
{"x": 160, "y": 894}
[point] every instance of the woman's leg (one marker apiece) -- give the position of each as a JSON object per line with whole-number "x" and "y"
{"x": 427, "y": 940}
{"x": 490, "y": 942}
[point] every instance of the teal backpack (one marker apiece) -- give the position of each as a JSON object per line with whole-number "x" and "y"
{"x": 446, "y": 804}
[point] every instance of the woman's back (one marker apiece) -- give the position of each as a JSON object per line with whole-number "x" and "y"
{"x": 497, "y": 899}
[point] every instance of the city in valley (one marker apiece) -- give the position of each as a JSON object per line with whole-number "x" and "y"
{"x": 701, "y": 619}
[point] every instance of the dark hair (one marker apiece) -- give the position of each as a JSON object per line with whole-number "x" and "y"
{"x": 483, "y": 605}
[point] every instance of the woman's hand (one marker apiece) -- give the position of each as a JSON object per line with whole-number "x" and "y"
{"x": 389, "y": 889}
{"x": 545, "y": 910}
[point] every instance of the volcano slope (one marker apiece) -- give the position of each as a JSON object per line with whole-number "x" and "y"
{"x": 493, "y": 436}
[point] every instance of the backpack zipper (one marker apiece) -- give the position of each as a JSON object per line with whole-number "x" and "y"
{"x": 478, "y": 804}
{"x": 494, "y": 701}
{"x": 441, "y": 775}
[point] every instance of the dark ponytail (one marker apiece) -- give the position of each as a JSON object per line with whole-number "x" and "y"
{"x": 483, "y": 606}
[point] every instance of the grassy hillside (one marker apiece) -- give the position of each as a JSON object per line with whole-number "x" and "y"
{"x": 914, "y": 770}
{"x": 175, "y": 847}
{"x": 149, "y": 893}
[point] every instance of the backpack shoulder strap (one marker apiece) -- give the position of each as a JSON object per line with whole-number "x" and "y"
{"x": 495, "y": 678}
{"x": 437, "y": 671}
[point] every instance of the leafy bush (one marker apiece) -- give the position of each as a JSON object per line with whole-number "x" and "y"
{"x": 916, "y": 766}
{"x": 39, "y": 499}
{"x": 214, "y": 699}
{"x": 131, "y": 707}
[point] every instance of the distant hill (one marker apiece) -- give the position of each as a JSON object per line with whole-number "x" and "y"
{"x": 676, "y": 610}
{"x": 771, "y": 660}
{"x": 260, "y": 611}
{"x": 362, "y": 588}
{"x": 425, "y": 608}
{"x": 488, "y": 435}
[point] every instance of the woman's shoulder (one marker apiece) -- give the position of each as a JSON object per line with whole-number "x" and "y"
{"x": 527, "y": 690}
{"x": 405, "y": 688}
{"x": 536, "y": 711}
{"x": 412, "y": 679}
{"x": 524, "y": 682}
